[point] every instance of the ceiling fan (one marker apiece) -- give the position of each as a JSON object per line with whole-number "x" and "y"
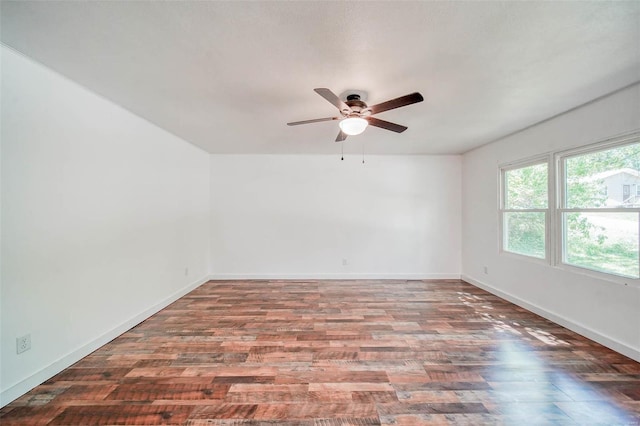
{"x": 355, "y": 115}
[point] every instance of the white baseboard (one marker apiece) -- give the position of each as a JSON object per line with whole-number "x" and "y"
{"x": 336, "y": 276}
{"x": 587, "y": 332}
{"x": 25, "y": 385}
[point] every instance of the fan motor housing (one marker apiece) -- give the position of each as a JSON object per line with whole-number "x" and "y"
{"x": 358, "y": 107}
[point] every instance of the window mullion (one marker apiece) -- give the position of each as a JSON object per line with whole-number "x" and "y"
{"x": 551, "y": 206}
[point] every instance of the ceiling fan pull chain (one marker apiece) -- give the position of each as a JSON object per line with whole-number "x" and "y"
{"x": 342, "y": 151}
{"x": 363, "y": 151}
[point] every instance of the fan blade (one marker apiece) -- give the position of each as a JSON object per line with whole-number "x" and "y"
{"x": 397, "y": 103}
{"x": 317, "y": 120}
{"x": 333, "y": 99}
{"x": 387, "y": 125}
{"x": 341, "y": 136}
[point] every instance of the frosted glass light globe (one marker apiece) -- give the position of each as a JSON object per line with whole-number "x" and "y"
{"x": 353, "y": 125}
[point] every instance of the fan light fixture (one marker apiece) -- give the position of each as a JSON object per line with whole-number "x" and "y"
{"x": 353, "y": 125}
{"x": 355, "y": 115}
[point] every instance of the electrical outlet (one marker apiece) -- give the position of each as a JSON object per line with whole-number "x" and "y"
{"x": 23, "y": 343}
{"x": 486, "y": 270}
{"x": 344, "y": 262}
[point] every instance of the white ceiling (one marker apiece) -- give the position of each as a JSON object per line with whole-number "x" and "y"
{"x": 227, "y": 76}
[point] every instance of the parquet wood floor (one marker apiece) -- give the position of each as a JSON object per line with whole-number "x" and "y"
{"x": 340, "y": 353}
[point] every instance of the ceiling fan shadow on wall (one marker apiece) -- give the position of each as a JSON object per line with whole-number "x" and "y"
{"x": 355, "y": 115}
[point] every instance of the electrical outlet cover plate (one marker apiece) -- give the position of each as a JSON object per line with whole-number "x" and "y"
{"x": 23, "y": 343}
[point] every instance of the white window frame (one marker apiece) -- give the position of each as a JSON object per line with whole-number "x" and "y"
{"x": 554, "y": 235}
{"x": 560, "y": 203}
{"x": 503, "y": 169}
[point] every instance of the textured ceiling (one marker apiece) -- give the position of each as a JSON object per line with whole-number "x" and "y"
{"x": 227, "y": 76}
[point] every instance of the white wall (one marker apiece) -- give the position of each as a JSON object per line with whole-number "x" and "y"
{"x": 300, "y": 216}
{"x": 101, "y": 214}
{"x": 602, "y": 310}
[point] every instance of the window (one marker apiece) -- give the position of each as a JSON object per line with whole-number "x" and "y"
{"x": 524, "y": 209}
{"x": 600, "y": 229}
{"x": 581, "y": 210}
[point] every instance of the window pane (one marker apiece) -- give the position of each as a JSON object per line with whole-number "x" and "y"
{"x": 526, "y": 187}
{"x": 604, "y": 178}
{"x": 605, "y": 242}
{"x": 524, "y": 233}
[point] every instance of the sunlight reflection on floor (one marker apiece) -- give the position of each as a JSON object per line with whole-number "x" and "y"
{"x": 503, "y": 324}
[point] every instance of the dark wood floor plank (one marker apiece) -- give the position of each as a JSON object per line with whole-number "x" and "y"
{"x": 123, "y": 415}
{"x": 324, "y": 353}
